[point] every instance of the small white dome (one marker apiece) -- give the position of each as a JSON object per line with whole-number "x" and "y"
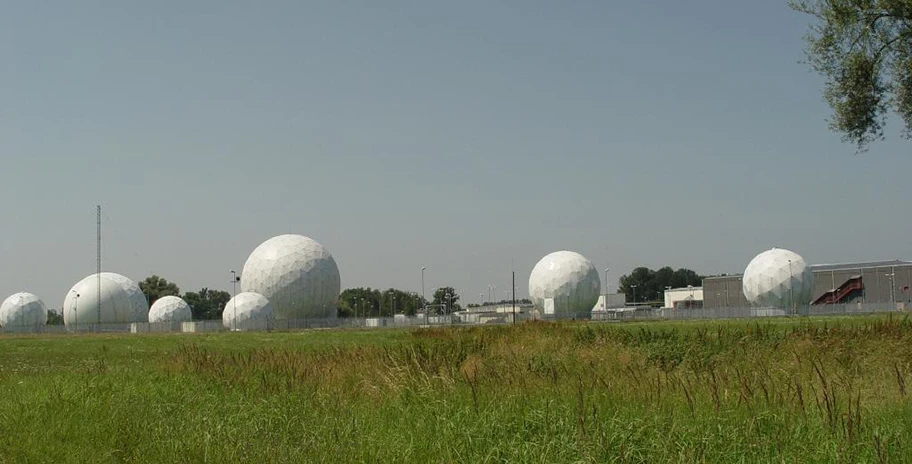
{"x": 23, "y": 310}
{"x": 247, "y": 311}
{"x": 170, "y": 309}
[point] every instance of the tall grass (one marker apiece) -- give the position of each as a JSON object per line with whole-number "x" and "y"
{"x": 828, "y": 390}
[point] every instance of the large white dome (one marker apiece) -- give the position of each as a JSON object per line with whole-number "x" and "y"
{"x": 22, "y": 310}
{"x": 247, "y": 310}
{"x": 564, "y": 282}
{"x": 778, "y": 278}
{"x": 297, "y": 274}
{"x": 120, "y": 300}
{"x": 170, "y": 309}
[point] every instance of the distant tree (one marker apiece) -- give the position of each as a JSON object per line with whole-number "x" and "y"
{"x": 369, "y": 302}
{"x": 206, "y": 303}
{"x": 864, "y": 50}
{"x": 54, "y": 317}
{"x": 644, "y": 284}
{"x": 155, "y": 287}
{"x": 447, "y": 296}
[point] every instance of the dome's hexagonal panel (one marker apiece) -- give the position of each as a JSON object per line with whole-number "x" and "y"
{"x": 778, "y": 278}
{"x": 564, "y": 282}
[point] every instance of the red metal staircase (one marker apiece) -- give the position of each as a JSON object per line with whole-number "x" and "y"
{"x": 842, "y": 293}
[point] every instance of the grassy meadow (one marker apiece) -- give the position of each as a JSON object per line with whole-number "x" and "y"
{"x": 785, "y": 390}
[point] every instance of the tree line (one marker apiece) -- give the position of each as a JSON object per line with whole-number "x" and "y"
{"x": 644, "y": 284}
{"x": 207, "y": 304}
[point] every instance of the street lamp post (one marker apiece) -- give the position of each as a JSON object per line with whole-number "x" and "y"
{"x": 76, "y": 310}
{"x": 234, "y": 281}
{"x": 634, "y": 287}
{"x": 891, "y": 275}
{"x": 423, "y": 301}
{"x": 605, "y": 301}
{"x": 791, "y": 293}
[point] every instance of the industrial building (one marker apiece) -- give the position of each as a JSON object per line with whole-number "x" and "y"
{"x": 684, "y": 298}
{"x": 867, "y": 282}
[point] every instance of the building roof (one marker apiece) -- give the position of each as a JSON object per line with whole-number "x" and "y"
{"x": 862, "y": 265}
{"x": 835, "y": 267}
{"x": 684, "y": 289}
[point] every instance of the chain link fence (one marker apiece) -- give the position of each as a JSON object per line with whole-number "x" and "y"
{"x": 463, "y": 319}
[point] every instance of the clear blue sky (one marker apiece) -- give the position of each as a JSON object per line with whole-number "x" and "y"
{"x": 461, "y": 135}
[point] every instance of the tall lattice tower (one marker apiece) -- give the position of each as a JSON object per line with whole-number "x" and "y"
{"x": 98, "y": 255}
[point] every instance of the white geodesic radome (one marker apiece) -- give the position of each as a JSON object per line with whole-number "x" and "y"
{"x": 778, "y": 278}
{"x": 120, "y": 300}
{"x": 297, "y": 274}
{"x": 22, "y": 309}
{"x": 564, "y": 282}
{"x": 247, "y": 310}
{"x": 170, "y": 309}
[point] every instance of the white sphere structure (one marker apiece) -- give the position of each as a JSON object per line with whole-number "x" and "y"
{"x": 119, "y": 302}
{"x": 170, "y": 309}
{"x": 778, "y": 278}
{"x": 22, "y": 310}
{"x": 246, "y": 311}
{"x": 297, "y": 274}
{"x": 564, "y": 282}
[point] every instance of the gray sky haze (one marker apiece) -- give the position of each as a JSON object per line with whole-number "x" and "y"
{"x": 455, "y": 135}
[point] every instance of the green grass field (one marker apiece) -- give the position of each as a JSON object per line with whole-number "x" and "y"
{"x": 799, "y": 390}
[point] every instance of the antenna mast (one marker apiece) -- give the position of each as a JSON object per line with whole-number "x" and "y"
{"x": 98, "y": 255}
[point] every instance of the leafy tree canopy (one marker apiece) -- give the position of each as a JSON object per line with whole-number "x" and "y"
{"x": 864, "y": 50}
{"x": 155, "y": 287}
{"x": 206, "y": 303}
{"x": 370, "y": 302}
{"x": 447, "y": 296}
{"x": 644, "y": 284}
{"x": 55, "y": 317}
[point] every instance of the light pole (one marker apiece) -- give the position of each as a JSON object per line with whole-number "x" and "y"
{"x": 423, "y": 301}
{"x": 791, "y": 293}
{"x": 392, "y": 302}
{"x": 234, "y": 281}
{"x": 634, "y": 287}
{"x": 891, "y": 275}
{"x": 605, "y": 301}
{"x": 76, "y": 310}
